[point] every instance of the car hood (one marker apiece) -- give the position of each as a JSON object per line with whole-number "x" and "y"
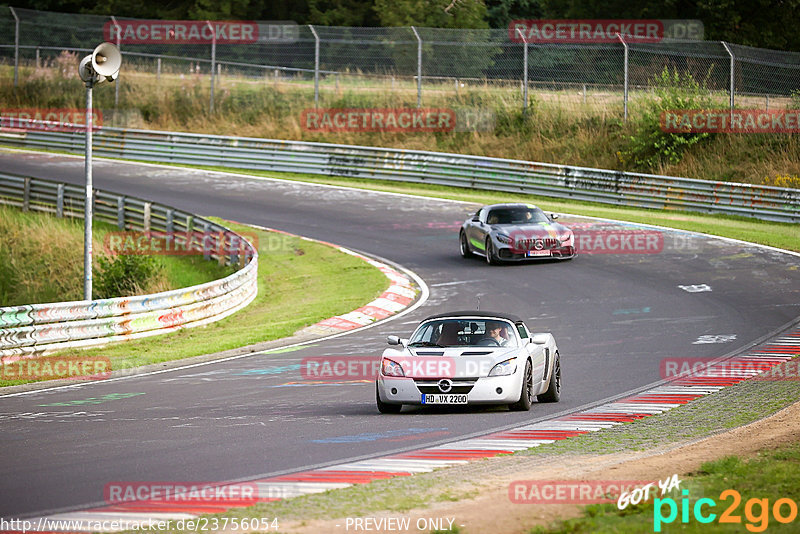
{"x": 538, "y": 230}
{"x": 449, "y": 362}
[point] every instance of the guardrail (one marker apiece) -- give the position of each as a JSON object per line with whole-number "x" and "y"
{"x": 474, "y": 172}
{"x": 36, "y": 329}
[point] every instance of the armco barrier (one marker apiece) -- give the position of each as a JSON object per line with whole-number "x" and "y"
{"x": 36, "y": 329}
{"x": 475, "y": 172}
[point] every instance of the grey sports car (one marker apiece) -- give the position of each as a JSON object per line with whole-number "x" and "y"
{"x": 515, "y": 232}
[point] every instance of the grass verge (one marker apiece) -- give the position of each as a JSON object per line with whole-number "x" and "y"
{"x": 300, "y": 282}
{"x": 41, "y": 260}
{"x": 760, "y": 481}
{"x": 558, "y": 126}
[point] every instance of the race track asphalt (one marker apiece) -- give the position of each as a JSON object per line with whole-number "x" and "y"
{"x": 616, "y": 317}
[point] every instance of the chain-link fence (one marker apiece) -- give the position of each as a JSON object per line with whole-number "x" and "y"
{"x": 428, "y": 63}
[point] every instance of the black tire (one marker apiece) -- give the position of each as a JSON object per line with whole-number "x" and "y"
{"x": 526, "y": 391}
{"x": 384, "y": 407}
{"x": 553, "y": 393}
{"x": 465, "y": 251}
{"x": 491, "y": 259}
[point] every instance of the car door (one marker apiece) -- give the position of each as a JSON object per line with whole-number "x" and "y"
{"x": 477, "y": 230}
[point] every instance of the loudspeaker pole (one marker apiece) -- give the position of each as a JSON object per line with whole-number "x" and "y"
{"x": 88, "y": 204}
{"x": 101, "y": 65}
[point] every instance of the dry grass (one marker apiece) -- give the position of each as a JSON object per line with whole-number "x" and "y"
{"x": 558, "y": 128}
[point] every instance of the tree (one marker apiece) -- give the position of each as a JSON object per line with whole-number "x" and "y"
{"x": 342, "y": 13}
{"x": 432, "y": 13}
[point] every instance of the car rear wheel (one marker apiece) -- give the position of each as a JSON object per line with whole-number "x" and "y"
{"x": 465, "y": 252}
{"x": 526, "y": 391}
{"x": 553, "y": 393}
{"x": 384, "y": 407}
{"x": 491, "y": 259}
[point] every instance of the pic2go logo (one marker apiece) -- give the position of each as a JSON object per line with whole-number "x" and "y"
{"x": 756, "y": 511}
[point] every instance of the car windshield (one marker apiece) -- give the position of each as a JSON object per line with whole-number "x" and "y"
{"x": 517, "y": 215}
{"x": 477, "y": 332}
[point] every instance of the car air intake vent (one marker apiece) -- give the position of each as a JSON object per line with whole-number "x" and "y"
{"x": 476, "y": 352}
{"x": 429, "y": 353}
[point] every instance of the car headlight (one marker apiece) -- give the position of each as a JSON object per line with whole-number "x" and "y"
{"x": 504, "y": 368}
{"x": 391, "y": 368}
{"x": 503, "y": 238}
{"x": 564, "y": 238}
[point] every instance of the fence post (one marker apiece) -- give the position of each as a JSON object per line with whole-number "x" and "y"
{"x": 146, "y": 217}
{"x": 625, "y": 95}
{"x": 213, "y": 64}
{"x": 316, "y": 65}
{"x": 158, "y": 68}
{"x": 60, "y": 201}
{"x": 16, "y": 45}
{"x": 116, "y": 85}
{"x": 733, "y": 71}
{"x": 419, "y": 67}
{"x": 26, "y": 194}
{"x": 524, "y": 72}
{"x": 121, "y": 212}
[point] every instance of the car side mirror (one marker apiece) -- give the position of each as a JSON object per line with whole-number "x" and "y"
{"x": 540, "y": 339}
{"x": 393, "y": 340}
{"x": 554, "y": 216}
{"x": 475, "y": 219}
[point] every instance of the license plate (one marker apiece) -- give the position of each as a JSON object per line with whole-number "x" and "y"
{"x": 538, "y": 253}
{"x": 443, "y": 398}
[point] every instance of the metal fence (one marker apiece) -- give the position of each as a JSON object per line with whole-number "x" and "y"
{"x": 36, "y": 329}
{"x": 473, "y": 172}
{"x": 424, "y": 60}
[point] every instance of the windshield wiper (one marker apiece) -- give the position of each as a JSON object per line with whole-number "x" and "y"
{"x": 425, "y": 344}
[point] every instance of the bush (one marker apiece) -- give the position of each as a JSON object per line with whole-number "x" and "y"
{"x": 124, "y": 275}
{"x": 650, "y": 147}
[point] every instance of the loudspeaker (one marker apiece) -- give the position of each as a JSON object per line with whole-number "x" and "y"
{"x": 103, "y": 64}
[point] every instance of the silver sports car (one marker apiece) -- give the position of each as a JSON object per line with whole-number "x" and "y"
{"x": 515, "y": 232}
{"x": 469, "y": 357}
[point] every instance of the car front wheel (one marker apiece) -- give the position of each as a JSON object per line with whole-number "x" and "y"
{"x": 465, "y": 252}
{"x": 491, "y": 259}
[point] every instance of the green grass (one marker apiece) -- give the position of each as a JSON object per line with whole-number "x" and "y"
{"x": 41, "y": 260}
{"x": 300, "y": 282}
{"x": 769, "y": 475}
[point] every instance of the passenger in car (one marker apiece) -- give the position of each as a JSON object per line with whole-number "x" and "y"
{"x": 449, "y": 335}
